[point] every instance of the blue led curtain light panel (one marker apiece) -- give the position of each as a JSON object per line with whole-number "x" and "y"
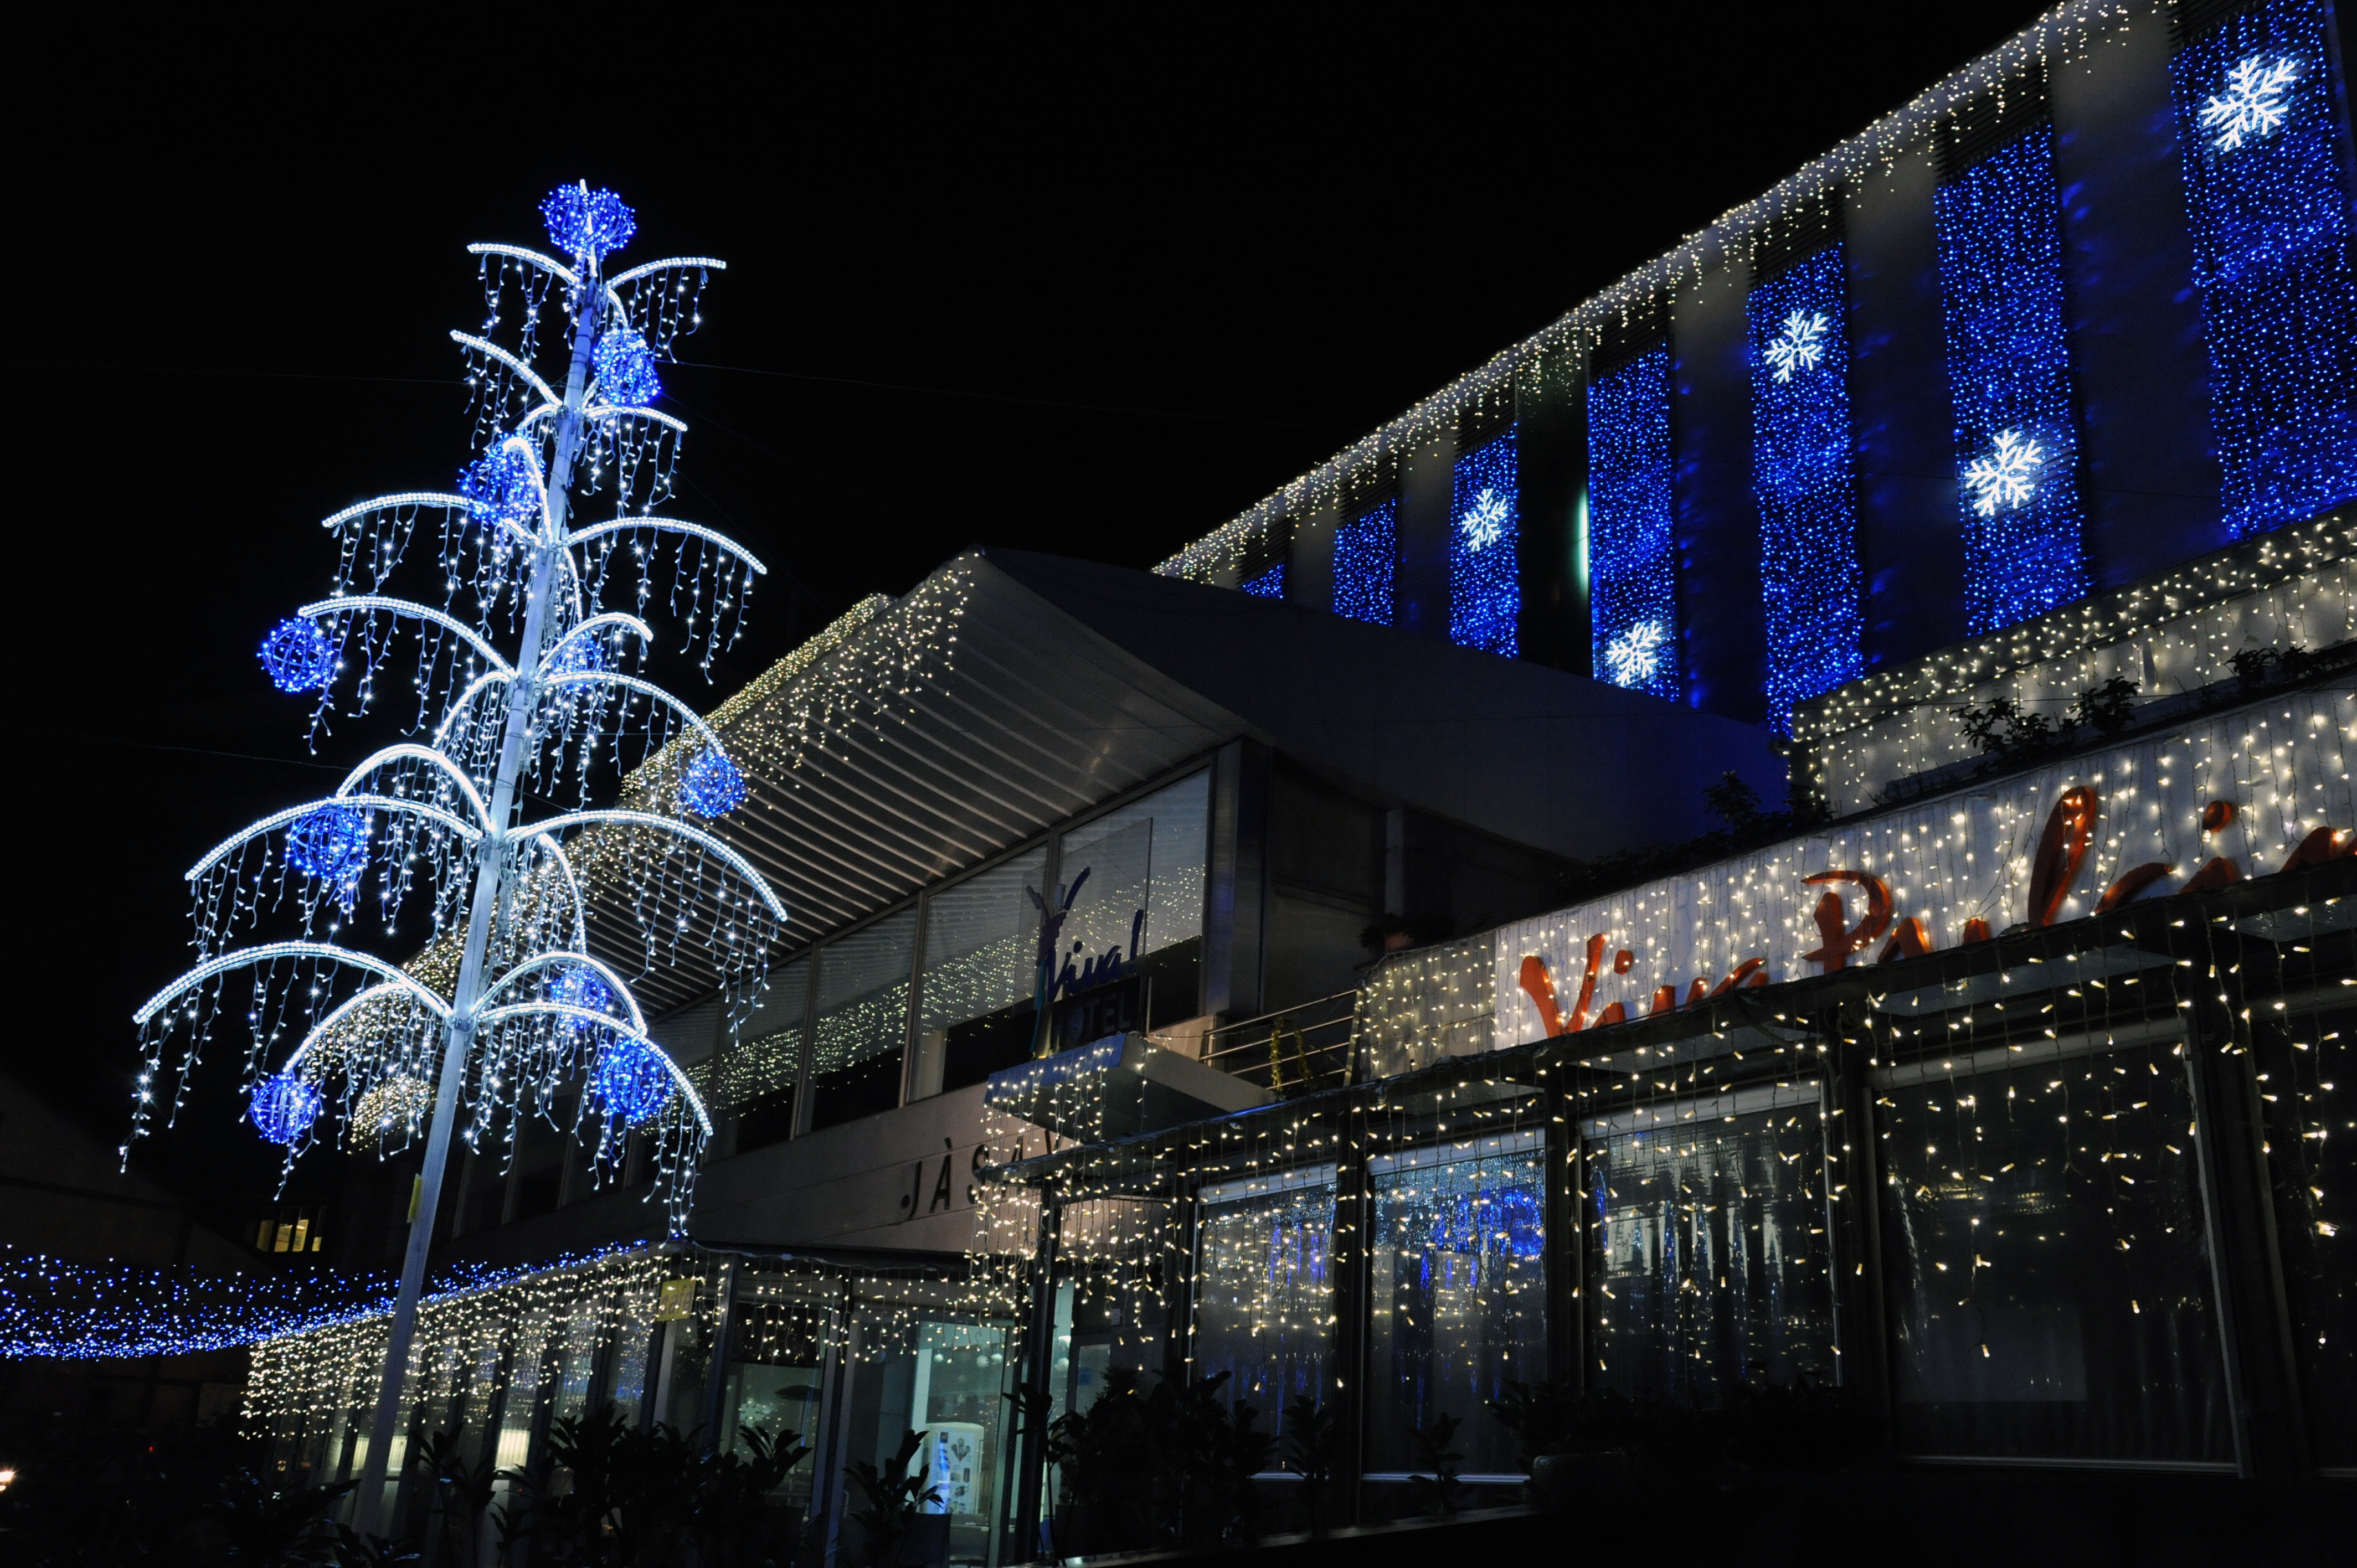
{"x": 1801, "y": 477}
{"x": 1366, "y": 560}
{"x": 1269, "y": 584}
{"x": 2000, "y": 242}
{"x": 1632, "y": 570}
{"x": 2268, "y": 200}
{"x": 1485, "y": 535}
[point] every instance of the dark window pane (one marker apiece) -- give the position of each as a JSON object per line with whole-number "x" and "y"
{"x": 1709, "y": 1251}
{"x": 2311, "y": 1114}
{"x": 863, "y": 1021}
{"x": 2048, "y": 1283}
{"x": 759, "y": 1072}
{"x": 982, "y": 951}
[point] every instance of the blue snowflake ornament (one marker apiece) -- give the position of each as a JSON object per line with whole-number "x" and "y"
{"x": 582, "y": 988}
{"x": 282, "y": 1109}
{"x": 586, "y": 223}
{"x": 330, "y": 843}
{"x": 632, "y": 1080}
{"x": 297, "y": 655}
{"x": 711, "y": 785}
{"x": 625, "y": 369}
{"x": 502, "y": 485}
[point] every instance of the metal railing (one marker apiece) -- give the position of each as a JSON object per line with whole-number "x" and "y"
{"x": 1295, "y": 1050}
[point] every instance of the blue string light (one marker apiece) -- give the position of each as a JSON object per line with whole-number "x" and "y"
{"x": 297, "y": 655}
{"x": 1366, "y": 561}
{"x": 625, "y": 369}
{"x": 711, "y": 785}
{"x": 282, "y": 1109}
{"x": 330, "y": 843}
{"x": 502, "y": 485}
{"x": 1489, "y": 1220}
{"x": 632, "y": 1080}
{"x": 2269, "y": 207}
{"x": 1632, "y": 564}
{"x": 1801, "y": 476}
{"x": 586, "y": 223}
{"x": 50, "y": 1307}
{"x": 2000, "y": 242}
{"x": 1485, "y": 535}
{"x": 1269, "y": 584}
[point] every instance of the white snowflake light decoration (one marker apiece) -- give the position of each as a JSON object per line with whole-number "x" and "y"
{"x": 1485, "y": 520}
{"x": 1802, "y": 344}
{"x": 2007, "y": 477}
{"x": 2254, "y": 105}
{"x": 1635, "y": 655}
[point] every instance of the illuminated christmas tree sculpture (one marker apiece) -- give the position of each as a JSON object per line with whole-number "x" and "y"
{"x": 506, "y": 1015}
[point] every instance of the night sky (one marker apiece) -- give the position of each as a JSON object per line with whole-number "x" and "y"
{"x": 984, "y": 293}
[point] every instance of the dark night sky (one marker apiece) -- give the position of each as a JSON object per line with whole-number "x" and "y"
{"x": 979, "y": 293}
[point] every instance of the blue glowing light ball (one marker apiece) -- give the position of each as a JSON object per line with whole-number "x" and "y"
{"x": 502, "y": 485}
{"x": 581, "y": 988}
{"x": 632, "y": 1080}
{"x": 282, "y": 1109}
{"x": 330, "y": 843}
{"x": 587, "y": 222}
{"x": 299, "y": 657}
{"x": 711, "y": 786}
{"x": 625, "y": 369}
{"x": 586, "y": 656}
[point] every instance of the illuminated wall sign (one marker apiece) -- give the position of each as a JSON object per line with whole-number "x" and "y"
{"x": 2236, "y": 795}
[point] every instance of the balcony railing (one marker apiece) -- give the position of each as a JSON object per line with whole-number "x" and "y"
{"x": 1297, "y": 1050}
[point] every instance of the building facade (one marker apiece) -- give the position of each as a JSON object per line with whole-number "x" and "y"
{"x": 1313, "y": 962}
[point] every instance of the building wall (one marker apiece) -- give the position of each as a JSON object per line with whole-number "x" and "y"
{"x": 2133, "y": 347}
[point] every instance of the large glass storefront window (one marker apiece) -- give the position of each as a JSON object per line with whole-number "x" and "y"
{"x": 1458, "y": 1306}
{"x": 946, "y": 1380}
{"x": 758, "y": 1074}
{"x": 776, "y": 1377}
{"x": 862, "y": 1020}
{"x": 2307, "y": 1092}
{"x": 1709, "y": 1253}
{"x": 982, "y": 947}
{"x": 2046, "y": 1267}
{"x": 1141, "y": 908}
{"x": 1263, "y": 1290}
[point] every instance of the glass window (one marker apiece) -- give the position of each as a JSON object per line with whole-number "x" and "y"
{"x": 981, "y": 946}
{"x": 776, "y": 1374}
{"x": 1139, "y": 904}
{"x": 1460, "y": 1296}
{"x": 946, "y": 1380}
{"x": 2045, "y": 1261}
{"x": 1709, "y": 1248}
{"x": 1264, "y": 1297}
{"x": 862, "y": 1020}
{"x": 2312, "y": 1144}
{"x": 758, "y": 1074}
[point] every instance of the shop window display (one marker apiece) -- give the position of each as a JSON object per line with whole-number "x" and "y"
{"x": 1460, "y": 1295}
{"x": 946, "y": 1380}
{"x": 1263, "y": 1290}
{"x": 1708, "y": 1253}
